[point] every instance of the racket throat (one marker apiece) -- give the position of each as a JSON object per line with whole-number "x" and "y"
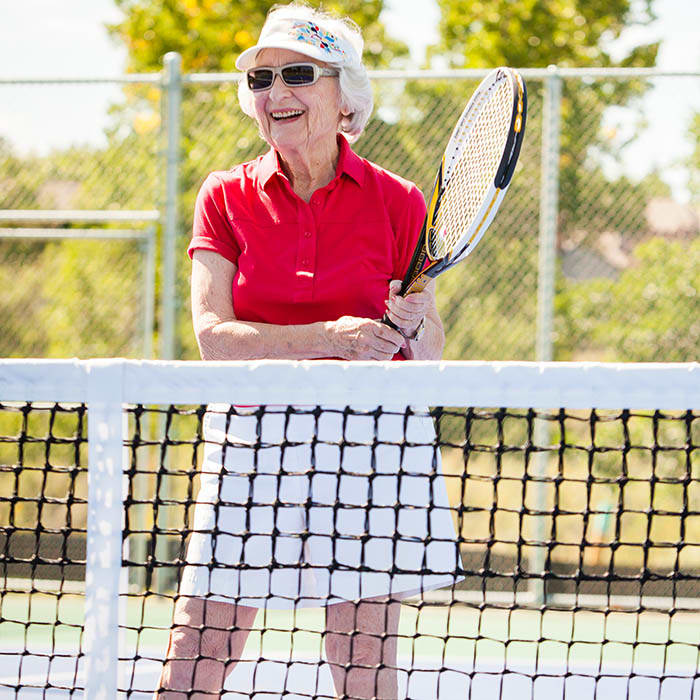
{"x": 421, "y": 282}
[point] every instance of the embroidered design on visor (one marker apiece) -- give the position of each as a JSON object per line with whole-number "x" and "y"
{"x": 311, "y": 33}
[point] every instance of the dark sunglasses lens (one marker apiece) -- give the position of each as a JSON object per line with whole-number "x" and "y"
{"x": 260, "y": 79}
{"x": 298, "y": 75}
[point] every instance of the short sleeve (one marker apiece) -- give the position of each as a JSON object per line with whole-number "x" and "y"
{"x": 407, "y": 229}
{"x": 212, "y": 228}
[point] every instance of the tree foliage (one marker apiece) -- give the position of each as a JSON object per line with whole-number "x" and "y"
{"x": 489, "y": 305}
{"x": 648, "y": 314}
{"x": 209, "y": 34}
{"x": 76, "y": 298}
{"x": 536, "y": 33}
{"x": 17, "y": 182}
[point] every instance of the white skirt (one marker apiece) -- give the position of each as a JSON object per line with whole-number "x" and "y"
{"x": 300, "y": 508}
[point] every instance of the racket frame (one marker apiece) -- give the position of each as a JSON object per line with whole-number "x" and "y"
{"x": 418, "y": 274}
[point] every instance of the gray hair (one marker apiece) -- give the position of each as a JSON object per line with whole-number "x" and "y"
{"x": 356, "y": 98}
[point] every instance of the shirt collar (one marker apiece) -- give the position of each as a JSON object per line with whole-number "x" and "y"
{"x": 349, "y": 163}
{"x": 269, "y": 166}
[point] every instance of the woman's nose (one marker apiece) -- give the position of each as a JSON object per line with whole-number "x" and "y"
{"x": 278, "y": 87}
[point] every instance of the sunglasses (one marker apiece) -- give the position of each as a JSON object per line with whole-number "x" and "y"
{"x": 293, "y": 75}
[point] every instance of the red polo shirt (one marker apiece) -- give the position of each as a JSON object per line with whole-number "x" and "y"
{"x": 300, "y": 262}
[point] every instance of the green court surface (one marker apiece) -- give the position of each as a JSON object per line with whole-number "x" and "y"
{"x": 453, "y": 633}
{"x": 445, "y": 652}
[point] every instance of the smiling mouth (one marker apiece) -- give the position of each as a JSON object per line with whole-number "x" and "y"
{"x": 283, "y": 115}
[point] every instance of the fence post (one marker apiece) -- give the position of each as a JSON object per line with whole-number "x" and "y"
{"x": 549, "y": 211}
{"x": 172, "y": 83}
{"x": 172, "y": 63}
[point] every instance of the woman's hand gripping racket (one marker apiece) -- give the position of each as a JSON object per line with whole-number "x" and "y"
{"x": 474, "y": 174}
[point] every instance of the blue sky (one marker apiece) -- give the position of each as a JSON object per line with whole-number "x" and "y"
{"x": 70, "y": 41}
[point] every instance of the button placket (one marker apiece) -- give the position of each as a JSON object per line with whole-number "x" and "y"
{"x": 306, "y": 256}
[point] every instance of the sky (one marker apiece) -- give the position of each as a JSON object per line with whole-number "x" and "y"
{"x": 71, "y": 41}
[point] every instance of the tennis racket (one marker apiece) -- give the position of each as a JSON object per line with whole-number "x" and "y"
{"x": 474, "y": 175}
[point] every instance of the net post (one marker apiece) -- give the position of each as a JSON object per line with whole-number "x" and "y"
{"x": 549, "y": 212}
{"x": 106, "y": 432}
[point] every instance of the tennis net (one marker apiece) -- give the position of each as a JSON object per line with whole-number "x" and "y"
{"x": 555, "y": 509}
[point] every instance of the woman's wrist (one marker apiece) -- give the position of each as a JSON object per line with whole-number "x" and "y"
{"x": 415, "y": 333}
{"x": 326, "y": 338}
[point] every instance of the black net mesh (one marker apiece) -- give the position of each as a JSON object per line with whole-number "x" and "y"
{"x": 43, "y": 505}
{"x": 552, "y": 554}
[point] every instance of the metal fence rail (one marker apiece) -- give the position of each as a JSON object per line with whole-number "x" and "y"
{"x": 588, "y": 258}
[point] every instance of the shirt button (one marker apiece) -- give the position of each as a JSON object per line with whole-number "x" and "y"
{"x": 307, "y": 234}
{"x": 305, "y": 262}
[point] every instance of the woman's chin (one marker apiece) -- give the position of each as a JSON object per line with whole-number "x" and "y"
{"x": 288, "y": 136}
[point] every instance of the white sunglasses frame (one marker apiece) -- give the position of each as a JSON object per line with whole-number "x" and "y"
{"x": 319, "y": 72}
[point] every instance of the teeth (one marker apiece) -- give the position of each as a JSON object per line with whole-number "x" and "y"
{"x": 287, "y": 114}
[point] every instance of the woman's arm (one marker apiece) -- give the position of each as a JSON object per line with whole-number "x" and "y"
{"x": 221, "y": 336}
{"x": 407, "y": 313}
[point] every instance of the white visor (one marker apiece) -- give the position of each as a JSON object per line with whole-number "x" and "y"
{"x": 302, "y": 36}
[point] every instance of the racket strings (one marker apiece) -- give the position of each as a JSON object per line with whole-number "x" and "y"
{"x": 473, "y": 166}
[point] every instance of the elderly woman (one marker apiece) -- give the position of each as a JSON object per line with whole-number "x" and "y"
{"x": 296, "y": 255}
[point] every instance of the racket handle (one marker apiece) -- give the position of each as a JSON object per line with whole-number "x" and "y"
{"x": 406, "y": 288}
{"x": 410, "y": 287}
{"x": 388, "y": 322}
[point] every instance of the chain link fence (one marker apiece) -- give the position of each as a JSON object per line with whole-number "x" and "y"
{"x": 59, "y": 295}
{"x": 79, "y": 198}
{"x": 595, "y": 253}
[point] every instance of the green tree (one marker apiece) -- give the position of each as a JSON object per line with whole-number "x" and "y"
{"x": 77, "y": 298}
{"x": 648, "y": 314}
{"x": 532, "y": 33}
{"x": 18, "y": 188}
{"x": 566, "y": 33}
{"x": 94, "y": 290}
{"x": 209, "y": 34}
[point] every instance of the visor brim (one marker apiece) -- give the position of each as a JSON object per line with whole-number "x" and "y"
{"x": 247, "y": 59}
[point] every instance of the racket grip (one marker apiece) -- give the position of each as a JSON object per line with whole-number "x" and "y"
{"x": 409, "y": 286}
{"x": 388, "y": 322}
